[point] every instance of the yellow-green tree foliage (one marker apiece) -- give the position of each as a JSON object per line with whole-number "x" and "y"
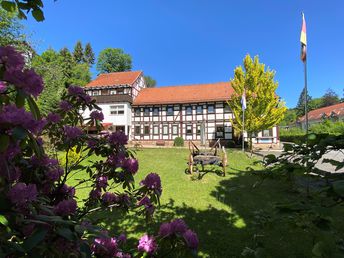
{"x": 263, "y": 107}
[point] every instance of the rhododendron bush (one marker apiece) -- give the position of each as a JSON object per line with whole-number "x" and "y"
{"x": 39, "y": 212}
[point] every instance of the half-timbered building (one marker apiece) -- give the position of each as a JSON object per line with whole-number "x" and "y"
{"x": 114, "y": 93}
{"x": 158, "y": 115}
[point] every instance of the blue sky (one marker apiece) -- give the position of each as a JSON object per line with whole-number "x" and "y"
{"x": 201, "y": 41}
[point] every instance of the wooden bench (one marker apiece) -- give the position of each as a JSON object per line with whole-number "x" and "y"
{"x": 160, "y": 143}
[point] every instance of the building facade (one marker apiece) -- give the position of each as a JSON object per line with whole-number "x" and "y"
{"x": 158, "y": 115}
{"x": 115, "y": 93}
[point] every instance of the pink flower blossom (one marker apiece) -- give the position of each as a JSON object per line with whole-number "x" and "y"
{"x": 191, "y": 239}
{"x": 3, "y": 87}
{"x": 178, "y": 226}
{"x": 147, "y": 244}
{"x": 105, "y": 247}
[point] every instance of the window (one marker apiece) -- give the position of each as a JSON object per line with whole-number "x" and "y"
{"x": 95, "y": 93}
{"x": 117, "y": 110}
{"x": 169, "y": 111}
{"x": 120, "y": 91}
{"x": 211, "y": 109}
{"x": 219, "y": 131}
{"x": 146, "y": 111}
{"x": 175, "y": 130}
{"x": 137, "y": 130}
{"x": 156, "y": 130}
{"x": 199, "y": 110}
{"x": 189, "y": 129}
{"x": 165, "y": 130}
{"x": 189, "y": 110}
{"x": 155, "y": 111}
{"x": 146, "y": 130}
{"x": 198, "y": 130}
{"x": 267, "y": 133}
{"x": 112, "y": 92}
{"x": 137, "y": 111}
{"x": 227, "y": 108}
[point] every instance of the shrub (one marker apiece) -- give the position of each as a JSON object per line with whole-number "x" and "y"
{"x": 178, "y": 141}
{"x": 39, "y": 215}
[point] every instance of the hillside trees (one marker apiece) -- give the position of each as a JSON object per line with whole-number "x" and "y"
{"x": 264, "y": 109}
{"x": 113, "y": 60}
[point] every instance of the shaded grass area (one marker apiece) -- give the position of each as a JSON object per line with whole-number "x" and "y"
{"x": 228, "y": 213}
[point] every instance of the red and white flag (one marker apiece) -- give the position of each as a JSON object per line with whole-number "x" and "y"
{"x": 303, "y": 39}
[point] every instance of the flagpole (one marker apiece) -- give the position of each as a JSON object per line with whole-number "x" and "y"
{"x": 243, "y": 130}
{"x": 306, "y": 93}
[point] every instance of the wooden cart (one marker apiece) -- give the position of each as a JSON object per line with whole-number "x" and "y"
{"x": 203, "y": 158}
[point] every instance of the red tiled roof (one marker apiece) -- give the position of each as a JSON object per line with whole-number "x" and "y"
{"x": 113, "y": 79}
{"x": 337, "y": 109}
{"x": 219, "y": 91}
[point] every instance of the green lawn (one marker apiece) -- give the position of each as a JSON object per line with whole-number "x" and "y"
{"x": 228, "y": 213}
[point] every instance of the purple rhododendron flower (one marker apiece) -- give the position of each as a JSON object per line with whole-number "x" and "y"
{"x": 102, "y": 181}
{"x": 191, "y": 239}
{"x": 92, "y": 143}
{"x": 65, "y": 105}
{"x": 122, "y": 238}
{"x": 3, "y": 87}
{"x": 96, "y": 115}
{"x": 15, "y": 116}
{"x": 152, "y": 182}
{"x": 66, "y": 207}
{"x": 87, "y": 99}
{"x": 118, "y": 138}
{"x": 105, "y": 247}
{"x": 44, "y": 161}
{"x": 28, "y": 81}
{"x": 75, "y": 90}
{"x": 116, "y": 161}
{"x": 131, "y": 165}
{"x": 72, "y": 132}
{"x": 178, "y": 226}
{"x": 165, "y": 230}
{"x": 11, "y": 59}
{"x": 147, "y": 204}
{"x": 109, "y": 198}
{"x": 53, "y": 118}
{"x": 147, "y": 244}
{"x": 68, "y": 190}
{"x": 12, "y": 150}
{"x": 122, "y": 255}
{"x": 95, "y": 193}
{"x": 54, "y": 174}
{"x": 21, "y": 193}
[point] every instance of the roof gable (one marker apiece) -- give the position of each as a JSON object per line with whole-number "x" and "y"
{"x": 337, "y": 109}
{"x": 115, "y": 79}
{"x": 220, "y": 91}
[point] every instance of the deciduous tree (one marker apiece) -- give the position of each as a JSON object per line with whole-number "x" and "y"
{"x": 264, "y": 108}
{"x": 330, "y": 98}
{"x": 113, "y": 60}
{"x": 150, "y": 82}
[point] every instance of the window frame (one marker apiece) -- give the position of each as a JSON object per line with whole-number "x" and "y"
{"x": 270, "y": 133}
{"x": 211, "y": 105}
{"x": 227, "y": 110}
{"x": 137, "y": 111}
{"x": 135, "y": 130}
{"x": 217, "y": 131}
{"x": 117, "y": 109}
{"x": 156, "y": 133}
{"x": 154, "y": 111}
{"x": 163, "y": 130}
{"x": 175, "y": 126}
{"x": 168, "y": 113}
{"x": 144, "y": 111}
{"x": 197, "y": 110}
{"x": 186, "y": 129}
{"x": 144, "y": 130}
{"x": 187, "y": 111}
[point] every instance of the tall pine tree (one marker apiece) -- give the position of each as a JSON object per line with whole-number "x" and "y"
{"x": 89, "y": 57}
{"x": 78, "y": 53}
{"x": 300, "y": 107}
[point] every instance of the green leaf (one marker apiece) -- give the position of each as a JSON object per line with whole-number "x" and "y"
{"x": 35, "y": 239}
{"x": 338, "y": 188}
{"x": 20, "y": 99}
{"x": 66, "y": 233}
{"x": 4, "y": 142}
{"x": 33, "y": 108}
{"x": 19, "y": 133}
{"x": 3, "y": 220}
{"x": 8, "y": 6}
{"x": 38, "y": 14}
